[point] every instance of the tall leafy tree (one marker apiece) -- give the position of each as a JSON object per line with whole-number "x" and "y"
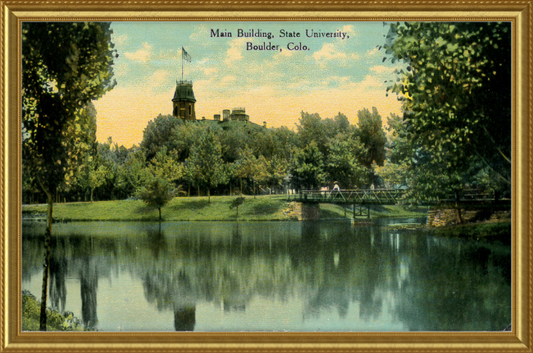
{"x": 65, "y": 66}
{"x": 234, "y": 139}
{"x": 276, "y": 171}
{"x": 165, "y": 166}
{"x": 310, "y": 129}
{"x": 456, "y": 92}
{"x": 91, "y": 174}
{"x": 339, "y": 124}
{"x": 157, "y": 193}
{"x": 160, "y": 132}
{"x": 342, "y": 164}
{"x": 396, "y": 171}
{"x": 307, "y": 167}
{"x": 372, "y": 136}
{"x": 187, "y": 136}
{"x": 133, "y": 174}
{"x": 113, "y": 157}
{"x": 249, "y": 167}
{"x": 205, "y": 165}
{"x": 285, "y": 140}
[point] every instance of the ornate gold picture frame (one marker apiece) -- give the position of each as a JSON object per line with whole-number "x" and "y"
{"x": 13, "y": 13}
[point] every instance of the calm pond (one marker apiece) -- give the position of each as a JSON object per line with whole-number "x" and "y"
{"x": 269, "y": 276}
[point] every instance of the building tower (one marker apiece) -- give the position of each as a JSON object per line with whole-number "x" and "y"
{"x": 183, "y": 101}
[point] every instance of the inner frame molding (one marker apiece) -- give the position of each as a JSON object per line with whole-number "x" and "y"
{"x": 13, "y": 13}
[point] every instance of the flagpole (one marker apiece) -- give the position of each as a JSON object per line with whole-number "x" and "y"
{"x": 182, "y": 63}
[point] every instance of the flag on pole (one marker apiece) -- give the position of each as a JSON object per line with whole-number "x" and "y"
{"x": 185, "y": 55}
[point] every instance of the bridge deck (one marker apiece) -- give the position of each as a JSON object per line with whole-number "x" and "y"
{"x": 357, "y": 196}
{"x": 382, "y": 197}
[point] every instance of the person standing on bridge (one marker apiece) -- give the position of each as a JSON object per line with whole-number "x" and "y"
{"x": 336, "y": 187}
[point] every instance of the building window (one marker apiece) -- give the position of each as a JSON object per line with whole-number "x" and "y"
{"x": 190, "y": 110}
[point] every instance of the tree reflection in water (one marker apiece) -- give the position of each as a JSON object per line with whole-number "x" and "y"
{"x": 184, "y": 318}
{"x": 362, "y": 275}
{"x": 89, "y": 287}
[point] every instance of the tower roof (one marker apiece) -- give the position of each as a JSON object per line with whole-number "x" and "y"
{"x": 184, "y": 92}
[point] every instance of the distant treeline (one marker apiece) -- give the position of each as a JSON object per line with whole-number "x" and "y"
{"x": 454, "y": 81}
{"x": 202, "y": 157}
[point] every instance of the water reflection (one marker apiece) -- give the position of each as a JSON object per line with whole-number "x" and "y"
{"x": 295, "y": 276}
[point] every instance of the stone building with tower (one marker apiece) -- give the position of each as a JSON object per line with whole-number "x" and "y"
{"x": 183, "y": 104}
{"x": 183, "y": 101}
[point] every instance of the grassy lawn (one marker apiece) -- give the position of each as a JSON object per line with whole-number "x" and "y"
{"x": 260, "y": 208}
{"x": 178, "y": 209}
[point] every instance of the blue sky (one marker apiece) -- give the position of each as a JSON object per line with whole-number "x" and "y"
{"x": 333, "y": 75}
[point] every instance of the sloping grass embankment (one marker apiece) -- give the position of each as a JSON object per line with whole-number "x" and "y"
{"x": 260, "y": 208}
{"x": 178, "y": 209}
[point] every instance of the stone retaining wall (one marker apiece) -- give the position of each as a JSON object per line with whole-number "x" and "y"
{"x": 448, "y": 216}
{"x": 306, "y": 211}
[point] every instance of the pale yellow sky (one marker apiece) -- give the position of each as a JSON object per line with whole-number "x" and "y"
{"x": 123, "y": 114}
{"x": 334, "y": 75}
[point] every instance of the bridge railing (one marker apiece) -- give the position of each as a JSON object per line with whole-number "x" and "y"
{"x": 380, "y": 196}
{"x": 358, "y": 196}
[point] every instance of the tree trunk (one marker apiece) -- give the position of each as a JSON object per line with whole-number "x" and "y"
{"x": 241, "y": 186}
{"x": 159, "y": 214}
{"x": 458, "y": 209}
{"x": 92, "y": 194}
{"x": 47, "y": 241}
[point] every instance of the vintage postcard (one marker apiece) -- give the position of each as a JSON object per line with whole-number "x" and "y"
{"x": 218, "y": 176}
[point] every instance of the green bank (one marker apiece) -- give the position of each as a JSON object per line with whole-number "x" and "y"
{"x": 31, "y": 311}
{"x": 260, "y": 208}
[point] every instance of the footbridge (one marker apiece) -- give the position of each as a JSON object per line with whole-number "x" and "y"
{"x": 385, "y": 197}
{"x": 309, "y": 200}
{"x": 354, "y": 196}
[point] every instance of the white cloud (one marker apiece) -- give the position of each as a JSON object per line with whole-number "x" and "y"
{"x": 227, "y": 80}
{"x": 380, "y": 69}
{"x": 200, "y": 34}
{"x": 210, "y": 71}
{"x": 337, "y": 79}
{"x": 349, "y": 29}
{"x": 203, "y": 61}
{"x": 234, "y": 53}
{"x": 159, "y": 78}
{"x": 370, "y": 82}
{"x": 283, "y": 54}
{"x": 119, "y": 39}
{"x": 328, "y": 52}
{"x": 372, "y": 53}
{"x": 142, "y": 54}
